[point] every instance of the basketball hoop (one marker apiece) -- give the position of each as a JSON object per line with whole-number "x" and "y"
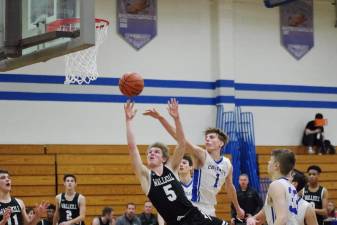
{"x": 81, "y": 66}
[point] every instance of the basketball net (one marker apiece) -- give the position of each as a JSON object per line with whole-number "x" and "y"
{"x": 81, "y": 66}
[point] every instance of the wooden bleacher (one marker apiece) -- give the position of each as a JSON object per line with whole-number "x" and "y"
{"x": 105, "y": 176}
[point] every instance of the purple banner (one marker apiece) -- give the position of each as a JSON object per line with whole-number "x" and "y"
{"x": 137, "y": 21}
{"x": 297, "y": 27}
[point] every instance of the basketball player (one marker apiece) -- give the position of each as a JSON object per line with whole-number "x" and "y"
{"x": 280, "y": 207}
{"x": 211, "y": 170}
{"x": 107, "y": 217}
{"x": 70, "y": 205}
{"x": 159, "y": 179}
{"x": 305, "y": 212}
{"x": 13, "y": 210}
{"x": 185, "y": 175}
{"x": 316, "y": 194}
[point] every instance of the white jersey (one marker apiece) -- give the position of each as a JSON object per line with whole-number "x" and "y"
{"x": 207, "y": 182}
{"x": 303, "y": 205}
{"x": 188, "y": 189}
{"x": 291, "y": 199}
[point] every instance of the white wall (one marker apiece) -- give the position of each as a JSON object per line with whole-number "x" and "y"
{"x": 197, "y": 40}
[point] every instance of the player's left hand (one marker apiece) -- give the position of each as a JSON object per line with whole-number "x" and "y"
{"x": 173, "y": 108}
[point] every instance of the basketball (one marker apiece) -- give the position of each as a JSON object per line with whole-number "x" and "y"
{"x": 131, "y": 84}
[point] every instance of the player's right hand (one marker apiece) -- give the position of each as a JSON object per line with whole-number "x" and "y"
{"x": 6, "y": 215}
{"x": 129, "y": 111}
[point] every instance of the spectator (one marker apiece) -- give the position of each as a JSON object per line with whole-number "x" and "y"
{"x": 147, "y": 217}
{"x": 107, "y": 217}
{"x": 313, "y": 134}
{"x": 331, "y": 210}
{"x": 249, "y": 200}
{"x": 129, "y": 217}
{"x": 30, "y": 213}
{"x": 316, "y": 194}
{"x": 50, "y": 215}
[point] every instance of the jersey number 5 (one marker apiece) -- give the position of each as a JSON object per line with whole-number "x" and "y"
{"x": 171, "y": 195}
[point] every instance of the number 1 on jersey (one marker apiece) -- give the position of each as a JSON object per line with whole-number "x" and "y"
{"x": 216, "y": 180}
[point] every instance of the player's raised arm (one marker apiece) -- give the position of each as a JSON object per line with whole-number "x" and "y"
{"x": 173, "y": 109}
{"x": 196, "y": 150}
{"x": 140, "y": 170}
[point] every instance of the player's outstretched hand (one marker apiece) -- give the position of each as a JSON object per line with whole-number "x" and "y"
{"x": 173, "y": 106}
{"x": 130, "y": 112}
{"x": 41, "y": 209}
{"x": 153, "y": 113}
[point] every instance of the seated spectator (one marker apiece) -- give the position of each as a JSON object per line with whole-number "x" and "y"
{"x": 107, "y": 217}
{"x": 50, "y": 214}
{"x": 248, "y": 198}
{"x": 129, "y": 217}
{"x": 147, "y": 217}
{"x": 313, "y": 134}
{"x": 332, "y": 213}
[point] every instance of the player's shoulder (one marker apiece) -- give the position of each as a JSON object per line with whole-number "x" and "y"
{"x": 80, "y": 196}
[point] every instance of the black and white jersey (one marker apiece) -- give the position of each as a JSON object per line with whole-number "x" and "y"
{"x": 315, "y": 199}
{"x": 69, "y": 210}
{"x": 101, "y": 221}
{"x": 168, "y": 196}
{"x": 16, "y": 215}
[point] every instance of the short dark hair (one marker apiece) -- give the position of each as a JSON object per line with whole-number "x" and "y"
{"x": 29, "y": 209}
{"x": 51, "y": 206}
{"x": 161, "y": 146}
{"x": 188, "y": 158}
{"x": 244, "y": 175}
{"x": 314, "y": 167}
{"x": 69, "y": 175}
{"x": 4, "y": 171}
{"x": 222, "y": 136}
{"x": 130, "y": 203}
{"x": 319, "y": 116}
{"x": 285, "y": 158}
{"x": 106, "y": 211}
{"x": 300, "y": 178}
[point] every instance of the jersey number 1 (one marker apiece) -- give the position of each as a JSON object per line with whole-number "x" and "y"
{"x": 171, "y": 195}
{"x": 216, "y": 180}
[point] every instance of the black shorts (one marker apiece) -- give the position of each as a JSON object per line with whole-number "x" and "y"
{"x": 195, "y": 217}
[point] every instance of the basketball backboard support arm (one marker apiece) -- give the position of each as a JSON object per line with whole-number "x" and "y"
{"x": 85, "y": 40}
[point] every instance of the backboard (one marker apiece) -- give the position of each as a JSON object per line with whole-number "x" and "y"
{"x": 29, "y": 30}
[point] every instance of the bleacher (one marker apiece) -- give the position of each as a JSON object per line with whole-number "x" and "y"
{"x": 105, "y": 177}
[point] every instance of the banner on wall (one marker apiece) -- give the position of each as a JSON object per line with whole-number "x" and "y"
{"x": 297, "y": 27}
{"x": 137, "y": 21}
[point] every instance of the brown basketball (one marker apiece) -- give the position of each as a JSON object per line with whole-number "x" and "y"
{"x": 131, "y": 84}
